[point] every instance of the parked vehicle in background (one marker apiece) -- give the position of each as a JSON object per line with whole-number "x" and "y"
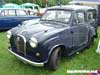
{"x": 62, "y": 30}
{"x": 11, "y": 17}
{"x": 31, "y": 8}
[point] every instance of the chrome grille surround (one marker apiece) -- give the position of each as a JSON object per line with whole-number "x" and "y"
{"x": 20, "y": 42}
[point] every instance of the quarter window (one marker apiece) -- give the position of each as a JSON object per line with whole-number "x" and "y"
{"x": 91, "y": 16}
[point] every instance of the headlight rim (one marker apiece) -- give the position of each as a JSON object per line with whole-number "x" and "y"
{"x": 33, "y": 42}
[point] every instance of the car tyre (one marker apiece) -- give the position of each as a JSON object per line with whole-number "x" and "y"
{"x": 54, "y": 59}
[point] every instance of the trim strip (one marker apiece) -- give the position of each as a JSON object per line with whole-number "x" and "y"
{"x": 26, "y": 60}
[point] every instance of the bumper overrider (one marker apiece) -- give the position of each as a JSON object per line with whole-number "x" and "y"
{"x": 25, "y": 60}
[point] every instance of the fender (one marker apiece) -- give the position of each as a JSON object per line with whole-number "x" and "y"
{"x": 53, "y": 43}
{"x": 52, "y": 49}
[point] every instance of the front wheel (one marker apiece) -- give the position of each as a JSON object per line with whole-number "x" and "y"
{"x": 54, "y": 59}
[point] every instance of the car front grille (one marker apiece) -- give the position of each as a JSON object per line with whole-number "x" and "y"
{"x": 20, "y": 43}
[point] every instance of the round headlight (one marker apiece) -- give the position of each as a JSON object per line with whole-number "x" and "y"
{"x": 9, "y": 34}
{"x": 33, "y": 42}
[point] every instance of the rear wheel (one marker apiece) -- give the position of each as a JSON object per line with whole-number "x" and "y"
{"x": 54, "y": 59}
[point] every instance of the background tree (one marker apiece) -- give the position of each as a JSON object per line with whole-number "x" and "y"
{"x": 2, "y": 2}
{"x": 41, "y": 3}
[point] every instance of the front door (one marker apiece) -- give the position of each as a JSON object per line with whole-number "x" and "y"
{"x": 82, "y": 27}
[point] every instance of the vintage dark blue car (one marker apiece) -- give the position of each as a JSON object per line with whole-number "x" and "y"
{"x": 62, "y": 30}
{"x": 11, "y": 17}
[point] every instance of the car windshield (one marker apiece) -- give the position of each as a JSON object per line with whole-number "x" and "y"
{"x": 62, "y": 16}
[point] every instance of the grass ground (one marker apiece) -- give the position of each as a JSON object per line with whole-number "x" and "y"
{"x": 9, "y": 65}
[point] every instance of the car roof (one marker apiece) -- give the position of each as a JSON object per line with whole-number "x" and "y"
{"x": 11, "y": 9}
{"x": 72, "y": 7}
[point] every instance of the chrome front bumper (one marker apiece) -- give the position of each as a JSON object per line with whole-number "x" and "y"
{"x": 26, "y": 60}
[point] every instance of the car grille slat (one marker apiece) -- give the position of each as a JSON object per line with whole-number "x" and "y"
{"x": 20, "y": 44}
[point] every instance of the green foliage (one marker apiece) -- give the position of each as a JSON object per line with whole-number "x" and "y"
{"x": 52, "y": 2}
{"x": 42, "y": 3}
{"x": 65, "y": 1}
{"x": 2, "y": 2}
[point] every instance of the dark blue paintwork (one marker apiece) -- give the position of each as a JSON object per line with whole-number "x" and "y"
{"x": 73, "y": 36}
{"x": 10, "y": 21}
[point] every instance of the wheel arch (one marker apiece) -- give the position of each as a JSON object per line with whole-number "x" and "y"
{"x": 50, "y": 63}
{"x": 63, "y": 48}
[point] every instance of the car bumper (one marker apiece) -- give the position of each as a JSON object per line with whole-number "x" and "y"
{"x": 26, "y": 60}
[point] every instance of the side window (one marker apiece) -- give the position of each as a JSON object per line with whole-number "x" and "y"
{"x": 21, "y": 13}
{"x": 11, "y": 13}
{"x": 4, "y": 13}
{"x": 8, "y": 13}
{"x": 91, "y": 16}
{"x": 79, "y": 17}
